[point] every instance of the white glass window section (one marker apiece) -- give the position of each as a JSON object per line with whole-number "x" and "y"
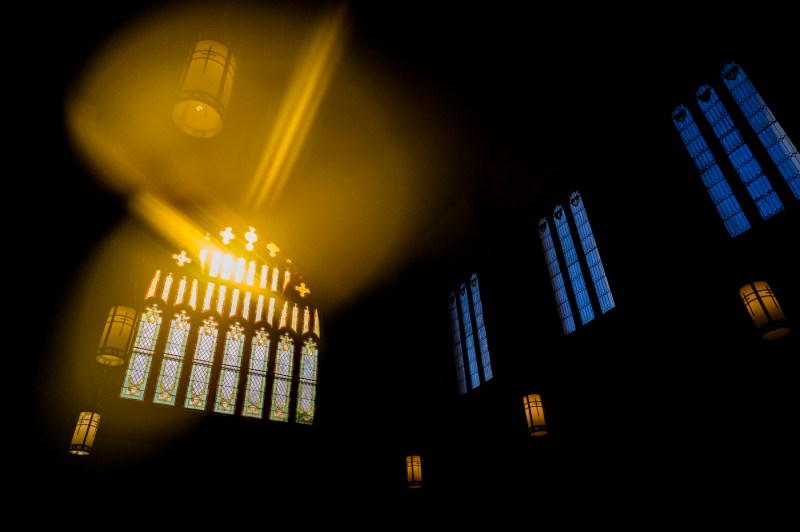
{"x": 281, "y": 385}
{"x": 142, "y": 354}
{"x": 228, "y": 384}
{"x": 197, "y": 391}
{"x": 306, "y": 319}
{"x": 556, "y": 279}
{"x": 256, "y": 375}
{"x": 466, "y": 320}
{"x": 749, "y": 171}
{"x": 589, "y": 246}
{"x": 455, "y": 328}
{"x": 780, "y": 148}
{"x": 482, "y": 341}
{"x": 718, "y": 188}
{"x": 165, "y": 290}
{"x": 307, "y": 385}
{"x": 573, "y": 266}
{"x": 169, "y": 374}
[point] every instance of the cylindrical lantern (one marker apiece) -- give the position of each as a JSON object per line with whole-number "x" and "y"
{"x": 764, "y": 310}
{"x": 85, "y": 431}
{"x": 113, "y": 348}
{"x": 205, "y": 90}
{"x": 414, "y": 471}
{"x": 534, "y": 413}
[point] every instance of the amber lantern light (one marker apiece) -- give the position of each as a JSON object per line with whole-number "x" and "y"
{"x": 764, "y": 310}
{"x": 534, "y": 413}
{"x": 112, "y": 351}
{"x": 414, "y": 471}
{"x": 205, "y": 89}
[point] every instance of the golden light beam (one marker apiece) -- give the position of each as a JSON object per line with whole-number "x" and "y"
{"x": 298, "y": 110}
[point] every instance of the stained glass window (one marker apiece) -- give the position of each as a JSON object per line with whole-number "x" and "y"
{"x": 743, "y": 160}
{"x": 307, "y": 384}
{"x": 197, "y": 392}
{"x": 281, "y": 386}
{"x": 580, "y": 261}
{"x": 714, "y": 180}
{"x": 142, "y": 354}
{"x": 466, "y": 322}
{"x": 170, "y": 372}
{"x": 779, "y": 146}
{"x": 257, "y": 375}
{"x": 228, "y": 384}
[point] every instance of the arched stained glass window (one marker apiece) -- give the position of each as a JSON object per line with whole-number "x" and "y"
{"x": 467, "y": 322}
{"x": 228, "y": 385}
{"x": 172, "y": 363}
{"x": 252, "y": 372}
{"x": 307, "y": 384}
{"x": 574, "y": 273}
{"x": 483, "y": 344}
{"x": 257, "y": 375}
{"x": 743, "y": 160}
{"x": 142, "y": 355}
{"x": 717, "y": 186}
{"x": 455, "y": 327}
{"x": 197, "y": 393}
{"x": 556, "y": 277}
{"x": 469, "y": 339}
{"x": 589, "y": 246}
{"x": 780, "y": 148}
{"x": 282, "y": 383}
{"x": 579, "y": 262}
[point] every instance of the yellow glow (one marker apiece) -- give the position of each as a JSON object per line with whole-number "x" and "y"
{"x": 298, "y": 111}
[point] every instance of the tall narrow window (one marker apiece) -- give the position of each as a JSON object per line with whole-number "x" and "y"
{"x": 745, "y": 164}
{"x": 780, "y": 148}
{"x": 579, "y": 262}
{"x": 714, "y": 180}
{"x": 281, "y": 386}
{"x": 473, "y": 364}
{"x": 172, "y": 363}
{"x": 228, "y": 383}
{"x": 197, "y": 392}
{"x": 307, "y": 385}
{"x": 256, "y": 375}
{"x": 139, "y": 366}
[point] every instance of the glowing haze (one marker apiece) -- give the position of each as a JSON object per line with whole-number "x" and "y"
{"x": 328, "y": 150}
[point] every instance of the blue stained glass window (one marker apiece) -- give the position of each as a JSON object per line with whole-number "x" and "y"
{"x": 556, "y": 278}
{"x": 468, "y": 337}
{"x": 718, "y": 188}
{"x": 589, "y": 247}
{"x": 780, "y": 148}
{"x": 573, "y": 267}
{"x": 745, "y": 164}
{"x": 482, "y": 342}
{"x": 455, "y": 329}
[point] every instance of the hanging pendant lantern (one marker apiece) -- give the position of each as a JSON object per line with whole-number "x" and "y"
{"x": 116, "y": 337}
{"x": 205, "y": 90}
{"x": 85, "y": 432}
{"x": 764, "y": 310}
{"x": 414, "y": 471}
{"x": 534, "y": 413}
